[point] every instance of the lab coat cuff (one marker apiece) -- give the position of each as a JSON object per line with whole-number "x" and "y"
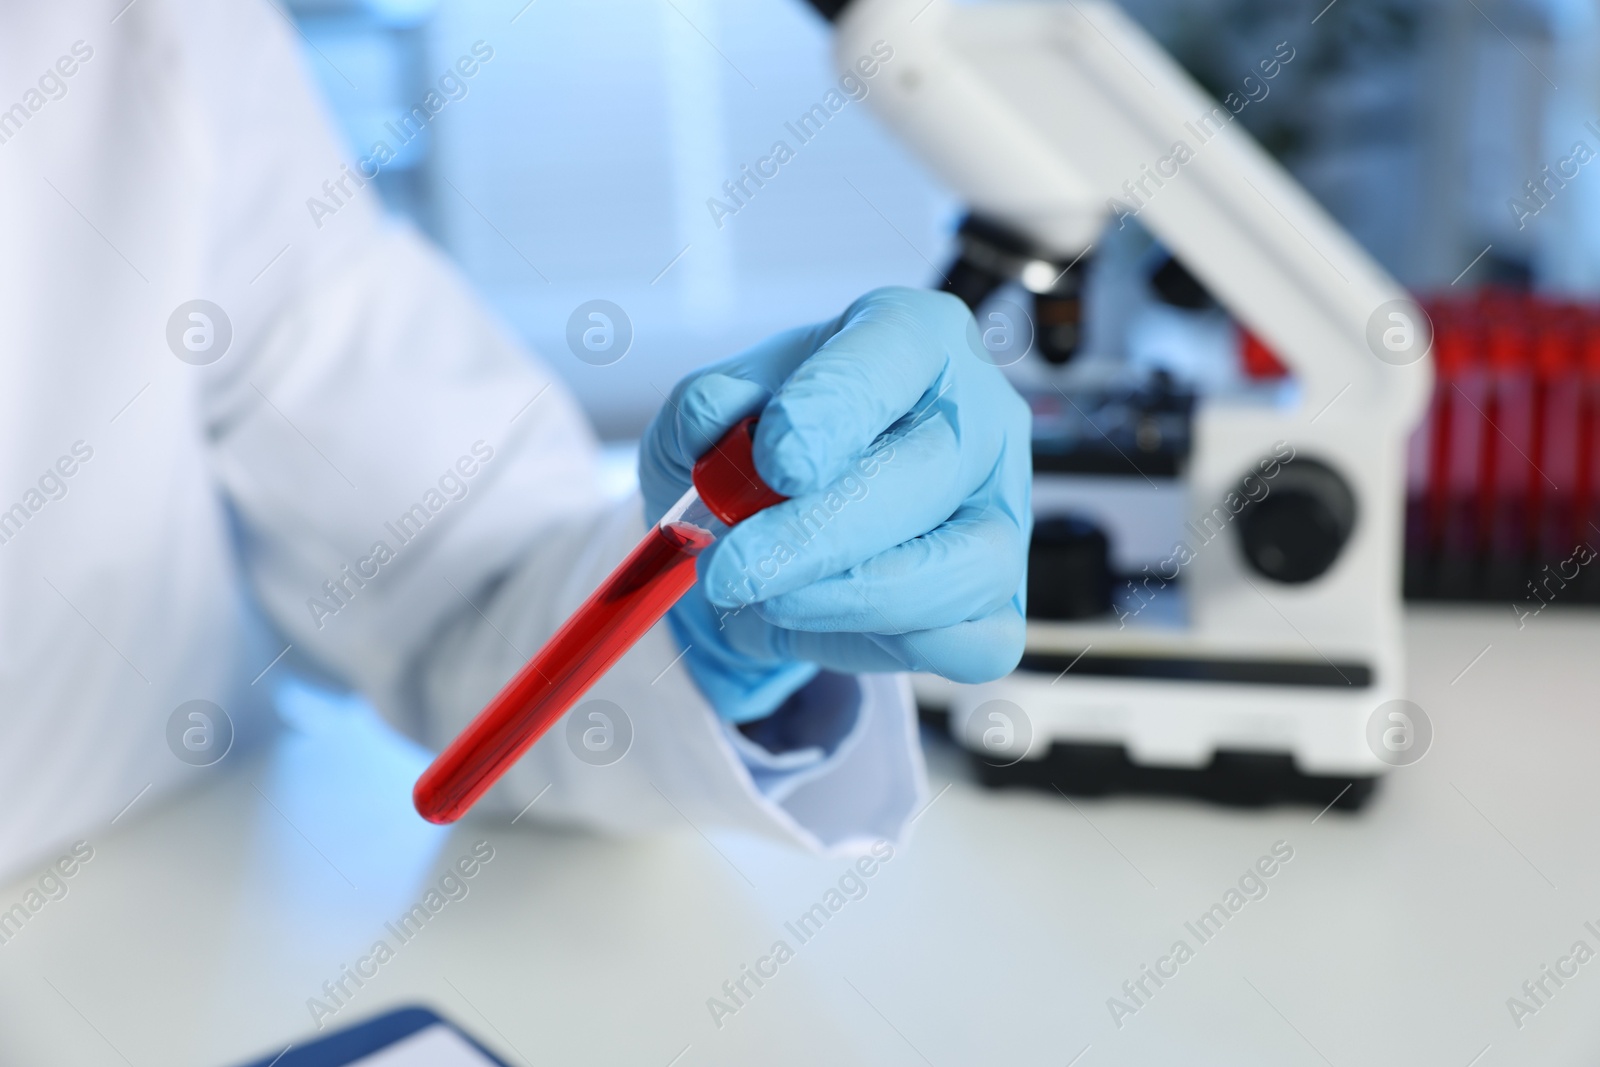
{"x": 813, "y": 732}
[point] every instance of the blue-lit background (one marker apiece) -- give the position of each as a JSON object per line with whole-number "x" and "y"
{"x": 579, "y": 164}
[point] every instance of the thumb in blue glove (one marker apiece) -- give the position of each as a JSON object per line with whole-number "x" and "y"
{"x": 904, "y": 543}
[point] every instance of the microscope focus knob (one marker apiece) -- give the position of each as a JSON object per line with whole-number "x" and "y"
{"x": 1296, "y": 531}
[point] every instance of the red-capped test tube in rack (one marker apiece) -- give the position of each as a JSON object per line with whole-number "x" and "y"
{"x": 1505, "y": 467}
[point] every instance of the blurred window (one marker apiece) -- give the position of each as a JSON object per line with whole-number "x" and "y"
{"x": 581, "y": 161}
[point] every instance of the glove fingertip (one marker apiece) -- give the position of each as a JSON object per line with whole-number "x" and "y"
{"x": 720, "y": 570}
{"x": 791, "y": 467}
{"x": 791, "y": 458}
{"x": 707, "y": 405}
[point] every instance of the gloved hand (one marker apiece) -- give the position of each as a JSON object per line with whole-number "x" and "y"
{"x": 899, "y": 550}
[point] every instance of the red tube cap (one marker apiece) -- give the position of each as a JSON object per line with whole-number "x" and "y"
{"x": 726, "y": 477}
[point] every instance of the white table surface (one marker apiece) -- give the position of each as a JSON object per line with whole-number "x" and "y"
{"x": 1395, "y": 936}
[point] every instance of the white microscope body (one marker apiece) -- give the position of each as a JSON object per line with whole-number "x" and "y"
{"x": 1038, "y": 113}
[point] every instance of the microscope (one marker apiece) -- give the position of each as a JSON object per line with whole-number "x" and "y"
{"x": 1215, "y": 577}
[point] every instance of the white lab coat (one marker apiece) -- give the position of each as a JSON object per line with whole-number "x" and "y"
{"x": 184, "y": 552}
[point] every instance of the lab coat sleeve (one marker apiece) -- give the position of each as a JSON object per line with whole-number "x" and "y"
{"x": 667, "y": 759}
{"x": 417, "y": 498}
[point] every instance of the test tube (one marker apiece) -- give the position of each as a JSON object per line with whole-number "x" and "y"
{"x": 726, "y": 490}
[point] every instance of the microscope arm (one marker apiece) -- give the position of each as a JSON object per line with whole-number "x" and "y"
{"x": 1053, "y": 118}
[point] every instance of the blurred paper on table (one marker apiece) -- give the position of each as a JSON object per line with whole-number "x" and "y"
{"x": 436, "y": 1046}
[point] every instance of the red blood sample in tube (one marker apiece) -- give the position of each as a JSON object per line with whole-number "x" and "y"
{"x": 632, "y": 599}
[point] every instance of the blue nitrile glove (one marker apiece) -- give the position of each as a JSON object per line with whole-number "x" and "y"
{"x": 907, "y": 552}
